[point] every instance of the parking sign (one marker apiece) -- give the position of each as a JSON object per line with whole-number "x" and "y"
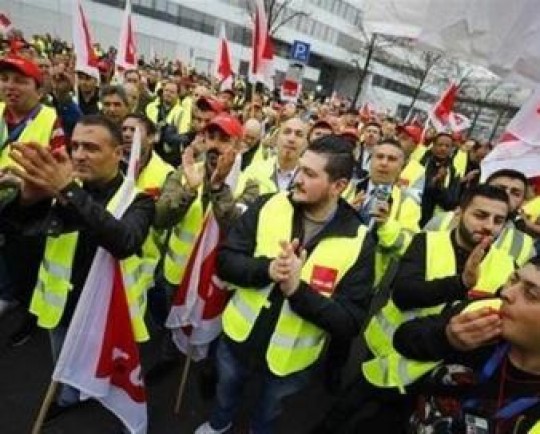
{"x": 300, "y": 51}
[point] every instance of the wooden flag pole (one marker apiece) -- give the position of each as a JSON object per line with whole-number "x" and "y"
{"x": 183, "y": 381}
{"x": 51, "y": 392}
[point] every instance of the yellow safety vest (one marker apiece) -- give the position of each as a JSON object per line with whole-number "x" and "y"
{"x": 262, "y": 172}
{"x": 151, "y": 180}
{"x": 174, "y": 117}
{"x": 395, "y": 236}
{"x": 413, "y": 179}
{"x": 459, "y": 161}
{"x": 40, "y": 130}
{"x": 532, "y": 209}
{"x": 418, "y": 152}
{"x": 182, "y": 240}
{"x": 54, "y": 281}
{"x": 187, "y": 114}
{"x": 295, "y": 343}
{"x": 388, "y": 368}
{"x": 516, "y": 243}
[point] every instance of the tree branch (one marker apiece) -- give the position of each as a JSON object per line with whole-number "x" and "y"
{"x": 286, "y": 20}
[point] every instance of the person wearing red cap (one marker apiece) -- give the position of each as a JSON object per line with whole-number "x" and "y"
{"x": 24, "y": 120}
{"x": 413, "y": 175}
{"x": 319, "y": 129}
{"x": 172, "y": 144}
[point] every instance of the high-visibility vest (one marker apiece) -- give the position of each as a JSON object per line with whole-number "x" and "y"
{"x": 405, "y": 213}
{"x": 39, "y": 130}
{"x": 413, "y": 179}
{"x": 187, "y": 115}
{"x": 182, "y": 240}
{"x": 261, "y": 172}
{"x": 418, "y": 152}
{"x": 174, "y": 117}
{"x": 295, "y": 343}
{"x": 54, "y": 281}
{"x": 388, "y": 368}
{"x": 532, "y": 209}
{"x": 516, "y": 243}
{"x": 151, "y": 180}
{"x": 460, "y": 160}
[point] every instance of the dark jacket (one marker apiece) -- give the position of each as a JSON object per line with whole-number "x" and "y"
{"x": 85, "y": 212}
{"x": 458, "y": 381}
{"x": 341, "y": 315}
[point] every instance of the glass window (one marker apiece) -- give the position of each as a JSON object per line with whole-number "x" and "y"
{"x": 161, "y": 5}
{"x": 147, "y": 4}
{"x": 173, "y": 9}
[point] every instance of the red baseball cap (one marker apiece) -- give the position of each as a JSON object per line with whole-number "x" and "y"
{"x": 413, "y": 131}
{"x": 227, "y": 123}
{"x": 23, "y": 65}
{"x": 213, "y": 103}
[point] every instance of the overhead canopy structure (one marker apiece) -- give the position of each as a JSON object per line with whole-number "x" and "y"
{"x": 500, "y": 35}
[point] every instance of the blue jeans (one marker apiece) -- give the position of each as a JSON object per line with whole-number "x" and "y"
{"x": 67, "y": 395}
{"x": 233, "y": 374}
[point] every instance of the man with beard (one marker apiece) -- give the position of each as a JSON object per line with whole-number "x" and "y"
{"x": 438, "y": 268}
{"x": 513, "y": 238}
{"x": 490, "y": 375}
{"x": 291, "y": 290}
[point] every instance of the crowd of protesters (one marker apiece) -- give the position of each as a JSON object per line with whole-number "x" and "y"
{"x": 340, "y": 226}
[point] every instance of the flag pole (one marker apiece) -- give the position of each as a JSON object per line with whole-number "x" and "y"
{"x": 253, "y": 99}
{"x": 183, "y": 381}
{"x": 47, "y": 401}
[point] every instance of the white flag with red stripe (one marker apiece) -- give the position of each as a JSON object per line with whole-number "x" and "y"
{"x": 127, "y": 46}
{"x": 459, "y": 122}
{"x": 195, "y": 316}
{"x": 5, "y": 23}
{"x": 262, "y": 48}
{"x": 224, "y": 71}
{"x": 442, "y": 109}
{"x": 86, "y": 59}
{"x": 519, "y": 146}
{"x": 99, "y": 356}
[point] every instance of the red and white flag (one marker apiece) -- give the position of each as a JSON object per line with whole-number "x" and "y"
{"x": 195, "y": 316}
{"x": 100, "y": 357}
{"x": 441, "y": 110}
{"x": 127, "y": 46}
{"x": 86, "y": 59}
{"x": 262, "y": 48}
{"x": 224, "y": 71}
{"x": 459, "y": 122}
{"x": 519, "y": 146}
{"x": 5, "y": 23}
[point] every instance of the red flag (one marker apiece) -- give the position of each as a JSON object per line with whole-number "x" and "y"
{"x": 99, "y": 356}
{"x": 127, "y": 47}
{"x": 195, "y": 317}
{"x": 440, "y": 112}
{"x": 262, "y": 49}
{"x": 5, "y": 23}
{"x": 86, "y": 60}
{"x": 224, "y": 72}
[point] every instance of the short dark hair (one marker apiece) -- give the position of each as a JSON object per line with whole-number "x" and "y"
{"x": 483, "y": 190}
{"x": 390, "y": 141}
{"x": 149, "y": 126}
{"x": 339, "y": 153}
{"x": 508, "y": 173}
{"x": 114, "y": 90}
{"x": 442, "y": 134}
{"x": 101, "y": 121}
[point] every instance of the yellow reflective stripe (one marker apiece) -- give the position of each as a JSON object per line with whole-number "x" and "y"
{"x": 292, "y": 342}
{"x": 133, "y": 276}
{"x": 57, "y": 270}
{"x": 51, "y": 298}
{"x": 245, "y": 309}
{"x": 517, "y": 244}
{"x": 177, "y": 258}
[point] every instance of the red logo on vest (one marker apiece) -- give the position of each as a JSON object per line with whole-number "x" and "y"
{"x": 323, "y": 279}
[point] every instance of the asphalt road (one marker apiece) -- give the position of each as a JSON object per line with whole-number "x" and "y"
{"x": 25, "y": 373}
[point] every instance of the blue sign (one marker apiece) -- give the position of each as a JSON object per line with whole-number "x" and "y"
{"x": 300, "y": 51}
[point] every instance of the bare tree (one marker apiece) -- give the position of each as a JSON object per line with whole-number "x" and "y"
{"x": 278, "y": 12}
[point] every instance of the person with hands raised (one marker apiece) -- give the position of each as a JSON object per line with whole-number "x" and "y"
{"x": 290, "y": 291}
